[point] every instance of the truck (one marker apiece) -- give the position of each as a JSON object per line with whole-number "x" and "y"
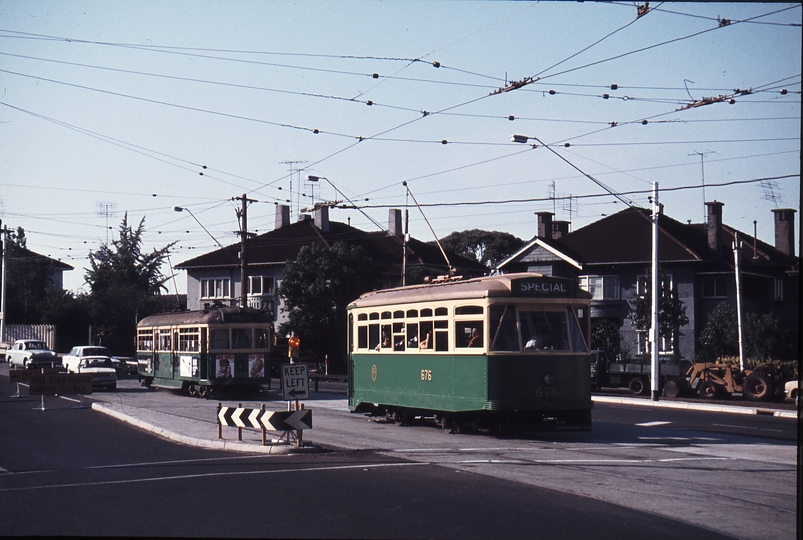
{"x": 634, "y": 373}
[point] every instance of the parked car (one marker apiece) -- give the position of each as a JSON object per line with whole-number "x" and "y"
{"x": 73, "y": 358}
{"x": 103, "y": 373}
{"x": 792, "y": 390}
{"x": 31, "y": 353}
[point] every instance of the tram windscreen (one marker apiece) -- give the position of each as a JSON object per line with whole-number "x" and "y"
{"x": 537, "y": 330}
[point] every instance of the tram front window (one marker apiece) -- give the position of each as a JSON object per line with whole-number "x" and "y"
{"x": 544, "y": 330}
{"x": 240, "y": 338}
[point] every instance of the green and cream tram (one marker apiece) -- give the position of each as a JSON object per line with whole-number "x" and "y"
{"x": 486, "y": 352}
{"x": 202, "y": 351}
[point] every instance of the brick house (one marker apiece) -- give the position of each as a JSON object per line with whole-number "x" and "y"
{"x": 215, "y": 276}
{"x": 611, "y": 258}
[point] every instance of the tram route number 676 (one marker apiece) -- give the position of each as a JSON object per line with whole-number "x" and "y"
{"x": 426, "y": 374}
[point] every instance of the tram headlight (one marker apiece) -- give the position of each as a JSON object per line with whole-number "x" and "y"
{"x": 549, "y": 379}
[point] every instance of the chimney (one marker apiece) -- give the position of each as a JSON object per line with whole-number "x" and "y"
{"x": 395, "y": 222}
{"x": 785, "y": 230}
{"x": 282, "y": 216}
{"x": 322, "y": 218}
{"x": 559, "y": 229}
{"x": 714, "y": 225}
{"x": 545, "y": 224}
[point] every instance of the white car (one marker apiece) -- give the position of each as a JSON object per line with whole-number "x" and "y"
{"x": 103, "y": 373}
{"x": 73, "y": 358}
{"x": 31, "y": 353}
{"x": 792, "y": 390}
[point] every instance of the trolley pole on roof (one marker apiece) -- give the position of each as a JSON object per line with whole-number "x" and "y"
{"x": 242, "y": 214}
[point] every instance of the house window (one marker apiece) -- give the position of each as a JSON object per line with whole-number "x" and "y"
{"x": 259, "y": 285}
{"x": 665, "y": 343}
{"x": 643, "y": 284}
{"x": 715, "y": 287}
{"x": 601, "y": 287}
{"x": 215, "y": 288}
{"x": 778, "y": 290}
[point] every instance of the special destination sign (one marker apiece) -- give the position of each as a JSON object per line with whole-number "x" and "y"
{"x": 543, "y": 286}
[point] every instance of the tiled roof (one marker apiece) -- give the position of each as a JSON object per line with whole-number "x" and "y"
{"x": 283, "y": 244}
{"x": 31, "y": 256}
{"x": 626, "y": 237}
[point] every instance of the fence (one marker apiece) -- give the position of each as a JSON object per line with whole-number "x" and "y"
{"x": 45, "y": 332}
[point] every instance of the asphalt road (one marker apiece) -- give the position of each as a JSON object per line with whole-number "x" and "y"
{"x": 73, "y": 472}
{"x": 642, "y": 472}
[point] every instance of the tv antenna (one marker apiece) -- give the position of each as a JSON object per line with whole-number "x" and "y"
{"x": 106, "y": 209}
{"x": 702, "y": 165}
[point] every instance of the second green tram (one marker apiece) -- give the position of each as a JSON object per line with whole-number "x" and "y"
{"x": 204, "y": 351}
{"x": 485, "y": 352}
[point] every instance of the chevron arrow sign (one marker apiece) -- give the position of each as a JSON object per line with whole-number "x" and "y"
{"x": 271, "y": 420}
{"x": 238, "y": 417}
{"x": 287, "y": 420}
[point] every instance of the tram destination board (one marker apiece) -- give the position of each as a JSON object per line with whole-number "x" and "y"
{"x": 295, "y": 381}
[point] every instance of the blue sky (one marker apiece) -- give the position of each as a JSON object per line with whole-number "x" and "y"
{"x": 114, "y": 107}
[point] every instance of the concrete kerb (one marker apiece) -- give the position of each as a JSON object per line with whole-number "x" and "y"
{"x": 693, "y": 406}
{"x": 213, "y": 444}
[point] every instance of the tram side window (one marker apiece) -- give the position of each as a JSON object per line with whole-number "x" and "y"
{"x": 504, "y": 332}
{"x": 188, "y": 340}
{"x": 373, "y": 336}
{"x": 412, "y": 335}
{"x": 442, "y": 335}
{"x": 468, "y": 334}
{"x": 219, "y": 338}
{"x": 144, "y": 340}
{"x": 241, "y": 338}
{"x": 362, "y": 337}
{"x": 398, "y": 335}
{"x": 426, "y": 336}
{"x": 576, "y": 334}
{"x": 386, "y": 337}
{"x": 164, "y": 340}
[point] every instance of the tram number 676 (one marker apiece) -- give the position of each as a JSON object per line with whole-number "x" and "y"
{"x": 549, "y": 392}
{"x": 426, "y": 374}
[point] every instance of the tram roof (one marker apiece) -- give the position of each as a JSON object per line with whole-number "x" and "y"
{"x": 214, "y": 315}
{"x": 482, "y": 287}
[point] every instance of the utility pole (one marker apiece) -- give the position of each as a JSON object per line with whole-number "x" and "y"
{"x": 3, "y": 296}
{"x": 242, "y": 215}
{"x": 655, "y": 335}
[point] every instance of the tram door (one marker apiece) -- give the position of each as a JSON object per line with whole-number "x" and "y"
{"x": 165, "y": 367}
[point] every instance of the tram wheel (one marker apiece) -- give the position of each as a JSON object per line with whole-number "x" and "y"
{"x": 192, "y": 390}
{"x": 203, "y": 391}
{"x": 401, "y": 418}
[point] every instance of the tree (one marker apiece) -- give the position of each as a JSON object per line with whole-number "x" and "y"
{"x": 605, "y": 336}
{"x": 487, "y": 247}
{"x": 671, "y": 310}
{"x": 28, "y": 278}
{"x": 316, "y": 289}
{"x": 124, "y": 286}
{"x": 763, "y": 337}
{"x": 720, "y": 337}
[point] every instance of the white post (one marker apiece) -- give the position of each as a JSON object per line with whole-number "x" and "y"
{"x": 654, "y": 330}
{"x": 3, "y": 295}
{"x": 737, "y": 255}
